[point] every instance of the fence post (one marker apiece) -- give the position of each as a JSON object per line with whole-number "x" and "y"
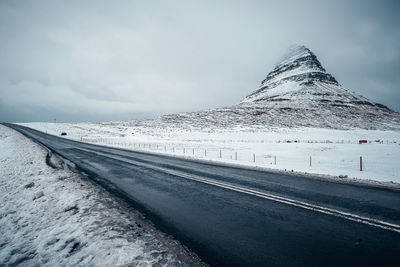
{"x": 184, "y": 150}
{"x": 192, "y": 151}
{"x": 235, "y": 155}
{"x": 30, "y": 140}
{"x": 254, "y": 157}
{"x": 275, "y": 160}
{"x": 165, "y": 148}
{"x": 173, "y": 149}
{"x": 205, "y": 152}
{"x": 310, "y": 161}
{"x": 361, "y": 164}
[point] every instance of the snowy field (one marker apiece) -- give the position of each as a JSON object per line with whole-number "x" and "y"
{"x": 55, "y": 217}
{"x": 332, "y": 152}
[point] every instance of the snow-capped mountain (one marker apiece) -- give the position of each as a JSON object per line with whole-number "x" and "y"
{"x": 298, "y": 92}
{"x": 299, "y": 70}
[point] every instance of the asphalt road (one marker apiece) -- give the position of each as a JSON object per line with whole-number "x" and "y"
{"x": 239, "y": 217}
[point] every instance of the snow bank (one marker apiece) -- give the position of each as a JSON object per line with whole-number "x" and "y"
{"x": 55, "y": 217}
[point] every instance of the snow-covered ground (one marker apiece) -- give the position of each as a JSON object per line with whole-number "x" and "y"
{"x": 55, "y": 217}
{"x": 333, "y": 152}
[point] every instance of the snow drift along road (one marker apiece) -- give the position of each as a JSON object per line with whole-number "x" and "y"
{"x": 55, "y": 217}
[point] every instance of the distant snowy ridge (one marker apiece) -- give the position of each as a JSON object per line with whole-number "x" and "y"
{"x": 298, "y": 92}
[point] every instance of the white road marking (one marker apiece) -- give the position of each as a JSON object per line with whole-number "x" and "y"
{"x": 288, "y": 201}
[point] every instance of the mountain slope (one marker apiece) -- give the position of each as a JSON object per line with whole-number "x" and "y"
{"x": 297, "y": 93}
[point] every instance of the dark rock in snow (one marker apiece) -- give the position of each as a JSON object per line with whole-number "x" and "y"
{"x": 72, "y": 208}
{"x": 29, "y": 185}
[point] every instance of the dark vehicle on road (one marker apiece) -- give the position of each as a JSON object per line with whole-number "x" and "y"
{"x": 63, "y": 133}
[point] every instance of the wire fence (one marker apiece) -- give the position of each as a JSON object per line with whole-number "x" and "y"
{"x": 226, "y": 153}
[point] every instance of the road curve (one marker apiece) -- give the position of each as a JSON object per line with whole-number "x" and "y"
{"x": 239, "y": 217}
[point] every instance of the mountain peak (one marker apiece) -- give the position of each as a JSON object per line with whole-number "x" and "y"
{"x": 296, "y": 52}
{"x": 298, "y": 69}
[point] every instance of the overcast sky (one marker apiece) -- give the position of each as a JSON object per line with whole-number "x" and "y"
{"x": 110, "y": 60}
